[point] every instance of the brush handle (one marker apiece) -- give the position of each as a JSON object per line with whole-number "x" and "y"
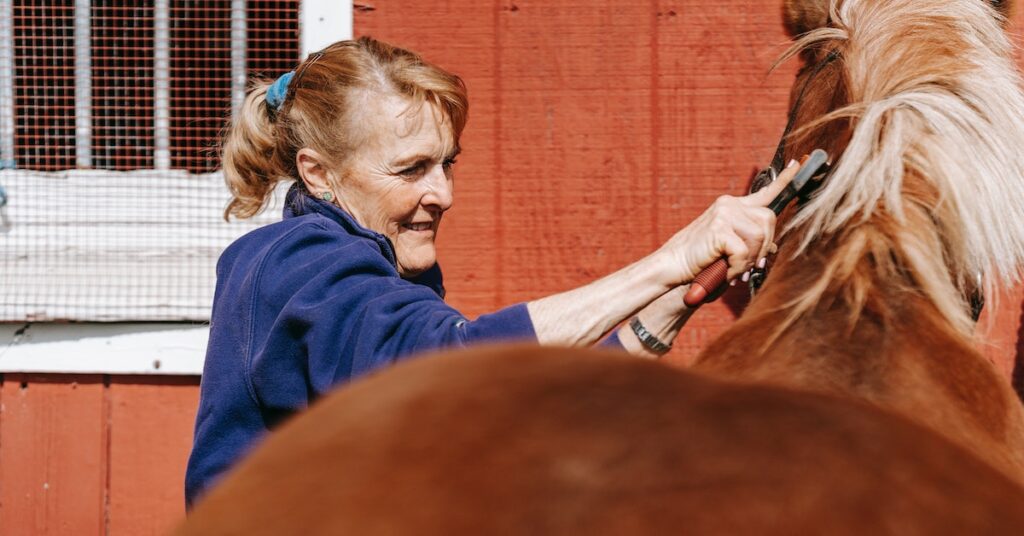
{"x": 712, "y": 279}
{"x": 707, "y": 281}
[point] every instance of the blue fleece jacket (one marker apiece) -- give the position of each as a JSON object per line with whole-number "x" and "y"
{"x": 302, "y": 305}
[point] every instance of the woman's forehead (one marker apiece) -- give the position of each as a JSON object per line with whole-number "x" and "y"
{"x": 396, "y": 123}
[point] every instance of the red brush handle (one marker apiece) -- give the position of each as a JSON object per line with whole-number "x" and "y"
{"x": 707, "y": 282}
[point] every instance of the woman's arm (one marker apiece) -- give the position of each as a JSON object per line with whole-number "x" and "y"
{"x": 663, "y": 318}
{"x": 740, "y": 229}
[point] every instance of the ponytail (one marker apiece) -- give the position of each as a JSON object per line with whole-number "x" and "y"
{"x": 249, "y": 156}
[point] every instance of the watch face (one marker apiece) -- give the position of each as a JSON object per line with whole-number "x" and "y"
{"x": 763, "y": 178}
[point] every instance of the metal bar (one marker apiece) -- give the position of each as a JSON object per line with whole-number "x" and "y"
{"x": 7, "y": 84}
{"x": 83, "y": 84}
{"x": 239, "y": 42}
{"x": 162, "y": 84}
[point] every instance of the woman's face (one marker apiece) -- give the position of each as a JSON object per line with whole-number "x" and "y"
{"x": 399, "y": 181}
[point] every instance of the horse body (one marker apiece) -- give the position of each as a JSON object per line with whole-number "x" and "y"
{"x": 900, "y": 355}
{"x": 850, "y": 395}
{"x": 526, "y": 440}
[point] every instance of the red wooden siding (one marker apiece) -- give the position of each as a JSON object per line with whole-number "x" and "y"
{"x": 89, "y": 454}
{"x": 598, "y": 128}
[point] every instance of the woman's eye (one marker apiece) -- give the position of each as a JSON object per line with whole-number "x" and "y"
{"x": 449, "y": 163}
{"x": 412, "y": 171}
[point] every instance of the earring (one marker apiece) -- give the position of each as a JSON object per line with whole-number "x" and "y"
{"x": 327, "y": 196}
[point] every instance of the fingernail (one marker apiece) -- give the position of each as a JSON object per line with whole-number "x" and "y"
{"x": 792, "y": 163}
{"x": 746, "y": 277}
{"x": 762, "y": 263}
{"x": 732, "y": 283}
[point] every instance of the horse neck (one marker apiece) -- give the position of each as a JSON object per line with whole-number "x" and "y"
{"x": 872, "y": 334}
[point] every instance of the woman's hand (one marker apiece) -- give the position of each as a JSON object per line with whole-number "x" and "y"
{"x": 741, "y": 229}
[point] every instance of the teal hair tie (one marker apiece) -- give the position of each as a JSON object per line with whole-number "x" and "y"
{"x": 279, "y": 90}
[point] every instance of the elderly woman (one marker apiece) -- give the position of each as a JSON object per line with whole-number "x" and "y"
{"x": 348, "y": 282}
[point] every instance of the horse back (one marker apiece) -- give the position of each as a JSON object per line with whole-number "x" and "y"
{"x": 547, "y": 440}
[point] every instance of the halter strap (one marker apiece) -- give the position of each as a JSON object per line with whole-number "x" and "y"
{"x": 778, "y": 162}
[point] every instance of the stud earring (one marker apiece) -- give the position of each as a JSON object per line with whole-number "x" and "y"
{"x": 327, "y": 196}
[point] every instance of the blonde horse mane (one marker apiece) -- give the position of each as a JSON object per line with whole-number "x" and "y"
{"x": 935, "y": 106}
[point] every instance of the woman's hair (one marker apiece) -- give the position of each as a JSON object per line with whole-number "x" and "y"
{"x": 260, "y": 145}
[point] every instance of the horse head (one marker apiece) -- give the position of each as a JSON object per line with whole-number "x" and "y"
{"x": 920, "y": 105}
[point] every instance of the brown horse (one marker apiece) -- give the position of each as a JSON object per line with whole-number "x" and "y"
{"x": 850, "y": 397}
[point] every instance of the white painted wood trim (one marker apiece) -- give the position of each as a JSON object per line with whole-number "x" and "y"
{"x": 239, "y": 40}
{"x": 159, "y": 349}
{"x": 322, "y": 22}
{"x": 6, "y": 84}
{"x": 83, "y": 84}
{"x": 162, "y": 84}
{"x": 90, "y": 245}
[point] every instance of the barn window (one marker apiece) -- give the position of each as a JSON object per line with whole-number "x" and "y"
{"x": 110, "y": 112}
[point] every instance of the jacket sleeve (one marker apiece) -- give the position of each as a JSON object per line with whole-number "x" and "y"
{"x": 327, "y": 312}
{"x": 612, "y": 342}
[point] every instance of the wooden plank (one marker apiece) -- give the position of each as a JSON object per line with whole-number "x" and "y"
{"x": 468, "y": 243}
{"x": 575, "y": 142}
{"x": 52, "y": 455}
{"x": 151, "y": 422}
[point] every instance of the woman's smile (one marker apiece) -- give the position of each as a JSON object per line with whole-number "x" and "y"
{"x": 423, "y": 227}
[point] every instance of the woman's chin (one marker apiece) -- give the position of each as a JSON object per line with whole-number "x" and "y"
{"x": 414, "y": 263}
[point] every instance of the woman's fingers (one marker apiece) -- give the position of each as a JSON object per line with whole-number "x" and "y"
{"x": 765, "y": 195}
{"x": 755, "y": 226}
{"x": 741, "y": 229}
{"x": 768, "y": 237}
{"x": 738, "y": 254}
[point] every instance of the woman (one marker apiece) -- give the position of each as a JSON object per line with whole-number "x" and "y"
{"x": 348, "y": 281}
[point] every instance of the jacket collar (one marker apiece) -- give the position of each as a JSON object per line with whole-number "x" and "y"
{"x": 298, "y": 202}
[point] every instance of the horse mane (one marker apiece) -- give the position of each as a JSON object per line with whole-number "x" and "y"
{"x": 930, "y": 187}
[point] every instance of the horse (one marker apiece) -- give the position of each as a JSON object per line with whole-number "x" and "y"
{"x": 850, "y": 396}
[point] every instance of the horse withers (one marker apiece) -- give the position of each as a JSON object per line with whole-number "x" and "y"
{"x": 849, "y": 398}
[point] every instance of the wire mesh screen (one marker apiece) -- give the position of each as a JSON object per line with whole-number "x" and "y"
{"x": 110, "y": 112}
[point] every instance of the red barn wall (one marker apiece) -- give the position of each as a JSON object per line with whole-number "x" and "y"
{"x": 598, "y": 128}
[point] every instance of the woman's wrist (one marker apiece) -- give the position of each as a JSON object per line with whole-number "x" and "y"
{"x": 662, "y": 319}
{"x": 667, "y": 270}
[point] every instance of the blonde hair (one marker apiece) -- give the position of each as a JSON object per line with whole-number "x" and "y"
{"x": 260, "y": 145}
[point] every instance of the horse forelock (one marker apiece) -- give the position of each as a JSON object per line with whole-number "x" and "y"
{"x": 933, "y": 161}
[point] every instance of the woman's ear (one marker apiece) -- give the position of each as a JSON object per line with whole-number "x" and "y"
{"x": 313, "y": 171}
{"x": 803, "y": 16}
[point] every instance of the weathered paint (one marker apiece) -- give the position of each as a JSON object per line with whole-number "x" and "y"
{"x": 150, "y": 434}
{"x": 53, "y": 454}
{"x": 597, "y": 129}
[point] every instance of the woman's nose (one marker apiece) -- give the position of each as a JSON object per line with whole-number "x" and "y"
{"x": 439, "y": 189}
